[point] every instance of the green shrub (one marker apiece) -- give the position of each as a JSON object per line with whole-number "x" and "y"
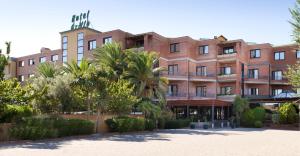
{"x": 161, "y": 123}
{"x": 287, "y": 114}
{"x": 12, "y": 113}
{"x": 275, "y": 118}
{"x": 250, "y": 116}
{"x": 258, "y": 124}
{"x": 49, "y": 127}
{"x": 150, "y": 124}
{"x": 176, "y": 124}
{"x": 125, "y": 124}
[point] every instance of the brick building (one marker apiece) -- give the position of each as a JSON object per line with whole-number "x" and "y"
{"x": 204, "y": 75}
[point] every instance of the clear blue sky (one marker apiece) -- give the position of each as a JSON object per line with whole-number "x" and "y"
{"x": 33, "y": 24}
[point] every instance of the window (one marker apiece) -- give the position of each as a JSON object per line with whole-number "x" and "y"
{"x": 65, "y": 49}
{"x": 173, "y": 69}
{"x": 54, "y": 58}
{"x": 277, "y": 75}
{"x": 201, "y": 71}
{"x": 31, "y": 62}
{"x": 172, "y": 90}
{"x": 253, "y": 73}
{"x": 107, "y": 40}
{"x": 226, "y": 90}
{"x": 80, "y": 50}
{"x": 253, "y": 91}
{"x": 92, "y": 45}
{"x": 42, "y": 59}
{"x": 279, "y": 55}
{"x": 21, "y": 63}
{"x": 30, "y": 75}
{"x": 21, "y": 78}
{"x": 228, "y": 50}
{"x": 298, "y": 54}
{"x": 255, "y": 53}
{"x": 201, "y": 91}
{"x": 203, "y": 49}
{"x": 276, "y": 91}
{"x": 226, "y": 71}
{"x": 174, "y": 47}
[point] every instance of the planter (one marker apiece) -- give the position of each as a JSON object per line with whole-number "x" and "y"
{"x": 205, "y": 126}
{"x": 192, "y": 126}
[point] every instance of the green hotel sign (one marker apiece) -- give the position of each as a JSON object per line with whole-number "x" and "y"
{"x": 80, "y": 21}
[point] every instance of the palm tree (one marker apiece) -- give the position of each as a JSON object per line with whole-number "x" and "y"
{"x": 111, "y": 59}
{"x": 145, "y": 76}
{"x": 48, "y": 70}
{"x": 4, "y": 60}
{"x": 83, "y": 75}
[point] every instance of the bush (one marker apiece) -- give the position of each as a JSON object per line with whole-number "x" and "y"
{"x": 150, "y": 124}
{"x": 49, "y": 127}
{"x": 250, "y": 116}
{"x": 258, "y": 124}
{"x": 125, "y": 124}
{"x": 275, "y": 118}
{"x": 176, "y": 124}
{"x": 287, "y": 114}
{"x": 12, "y": 113}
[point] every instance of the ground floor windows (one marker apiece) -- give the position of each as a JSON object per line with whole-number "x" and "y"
{"x": 202, "y": 113}
{"x": 276, "y": 91}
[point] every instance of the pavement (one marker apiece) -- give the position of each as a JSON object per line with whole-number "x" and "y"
{"x": 181, "y": 142}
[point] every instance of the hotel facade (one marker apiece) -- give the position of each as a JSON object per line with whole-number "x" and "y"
{"x": 204, "y": 74}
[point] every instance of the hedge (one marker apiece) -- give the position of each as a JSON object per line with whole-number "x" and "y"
{"x": 12, "y": 113}
{"x": 125, "y": 124}
{"x": 287, "y": 114}
{"x": 176, "y": 124}
{"x": 50, "y": 127}
{"x": 251, "y": 116}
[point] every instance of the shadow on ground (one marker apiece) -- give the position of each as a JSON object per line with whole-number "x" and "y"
{"x": 160, "y": 135}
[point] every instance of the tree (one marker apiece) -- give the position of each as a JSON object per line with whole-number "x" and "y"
{"x": 143, "y": 74}
{"x": 120, "y": 97}
{"x": 84, "y": 76}
{"x": 287, "y": 114}
{"x": 52, "y": 90}
{"x": 4, "y": 59}
{"x": 12, "y": 93}
{"x": 295, "y": 12}
{"x": 48, "y": 70}
{"x": 240, "y": 105}
{"x": 293, "y": 73}
{"x": 111, "y": 59}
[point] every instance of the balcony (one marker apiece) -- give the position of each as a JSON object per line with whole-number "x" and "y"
{"x": 174, "y": 76}
{"x": 279, "y": 81}
{"x": 205, "y": 96}
{"x": 176, "y": 96}
{"x": 251, "y": 97}
{"x": 208, "y": 77}
{"x": 227, "y": 77}
{"x": 226, "y": 97}
{"x": 261, "y": 79}
{"x": 227, "y": 57}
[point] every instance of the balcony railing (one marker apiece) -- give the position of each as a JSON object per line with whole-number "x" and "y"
{"x": 201, "y": 96}
{"x": 258, "y": 96}
{"x": 222, "y": 53}
{"x": 257, "y": 77}
{"x": 172, "y": 74}
{"x": 176, "y": 95}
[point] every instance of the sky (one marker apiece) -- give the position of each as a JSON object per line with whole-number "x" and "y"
{"x": 33, "y": 24}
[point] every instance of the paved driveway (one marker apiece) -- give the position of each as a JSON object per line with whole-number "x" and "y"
{"x": 184, "y": 142}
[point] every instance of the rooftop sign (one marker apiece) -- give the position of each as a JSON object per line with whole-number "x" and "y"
{"x": 80, "y": 21}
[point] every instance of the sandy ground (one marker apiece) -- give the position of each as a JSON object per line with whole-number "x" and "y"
{"x": 184, "y": 142}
